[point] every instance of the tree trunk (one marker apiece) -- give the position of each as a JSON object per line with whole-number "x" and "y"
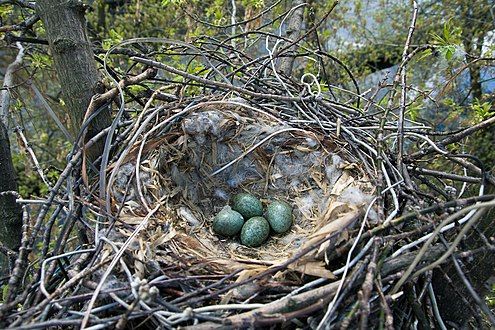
{"x": 101, "y": 10}
{"x": 473, "y": 47}
{"x": 475, "y": 74}
{"x": 310, "y": 20}
{"x": 73, "y": 57}
{"x": 10, "y": 211}
{"x": 294, "y": 27}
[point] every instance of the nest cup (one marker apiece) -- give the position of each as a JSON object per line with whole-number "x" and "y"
{"x": 209, "y": 155}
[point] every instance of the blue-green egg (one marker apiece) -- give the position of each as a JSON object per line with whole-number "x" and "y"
{"x": 228, "y": 222}
{"x": 279, "y": 215}
{"x": 247, "y": 205}
{"x": 255, "y": 231}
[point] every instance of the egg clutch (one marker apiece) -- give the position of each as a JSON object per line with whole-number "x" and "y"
{"x": 246, "y": 216}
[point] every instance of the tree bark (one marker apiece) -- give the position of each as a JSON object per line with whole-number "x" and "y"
{"x": 473, "y": 47}
{"x": 475, "y": 74}
{"x": 294, "y": 27}
{"x": 10, "y": 211}
{"x": 73, "y": 58}
{"x": 101, "y": 10}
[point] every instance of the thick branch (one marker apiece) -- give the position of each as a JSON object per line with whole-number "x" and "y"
{"x": 73, "y": 57}
{"x": 294, "y": 27}
{"x": 24, "y": 25}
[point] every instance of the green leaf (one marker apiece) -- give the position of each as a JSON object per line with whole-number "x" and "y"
{"x": 166, "y": 3}
{"x": 426, "y": 53}
{"x": 449, "y": 53}
{"x": 5, "y": 289}
{"x": 483, "y": 110}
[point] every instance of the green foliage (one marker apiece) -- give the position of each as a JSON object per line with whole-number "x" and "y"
{"x": 215, "y": 11}
{"x": 451, "y": 35}
{"x": 448, "y": 41}
{"x": 447, "y": 51}
{"x": 5, "y": 289}
{"x": 490, "y": 299}
{"x": 257, "y": 4}
{"x": 481, "y": 143}
{"x": 41, "y": 61}
{"x": 414, "y": 111}
{"x": 5, "y": 11}
{"x": 166, "y": 3}
{"x": 481, "y": 110}
{"x": 113, "y": 39}
{"x": 136, "y": 89}
{"x": 29, "y": 182}
{"x": 454, "y": 114}
{"x": 490, "y": 51}
{"x": 425, "y": 54}
{"x": 50, "y": 149}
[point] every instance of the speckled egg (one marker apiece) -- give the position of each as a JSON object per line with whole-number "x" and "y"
{"x": 255, "y": 231}
{"x": 279, "y": 215}
{"x": 228, "y": 222}
{"x": 247, "y": 205}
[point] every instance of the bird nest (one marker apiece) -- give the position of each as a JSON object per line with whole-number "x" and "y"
{"x": 194, "y": 163}
{"x": 126, "y": 239}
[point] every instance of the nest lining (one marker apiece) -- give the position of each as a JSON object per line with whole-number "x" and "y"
{"x": 213, "y": 153}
